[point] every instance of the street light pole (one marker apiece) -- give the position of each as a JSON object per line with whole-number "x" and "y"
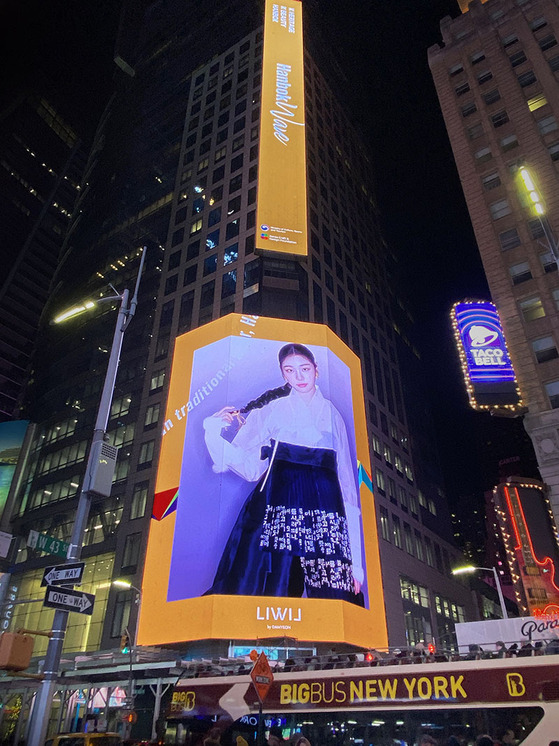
{"x": 471, "y": 568}
{"x": 44, "y": 697}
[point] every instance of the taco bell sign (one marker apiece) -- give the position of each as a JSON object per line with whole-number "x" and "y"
{"x": 486, "y": 364}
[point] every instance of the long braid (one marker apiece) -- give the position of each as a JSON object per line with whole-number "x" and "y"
{"x": 266, "y": 398}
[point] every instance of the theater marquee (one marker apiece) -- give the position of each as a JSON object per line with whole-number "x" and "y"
{"x": 282, "y": 193}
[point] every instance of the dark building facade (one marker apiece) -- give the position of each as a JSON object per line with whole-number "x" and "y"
{"x": 174, "y": 169}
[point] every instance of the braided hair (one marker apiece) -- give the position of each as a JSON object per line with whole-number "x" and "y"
{"x": 281, "y": 391}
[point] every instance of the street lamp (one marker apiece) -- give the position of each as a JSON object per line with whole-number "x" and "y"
{"x": 126, "y": 585}
{"x": 471, "y": 568}
{"x": 43, "y": 699}
{"x": 528, "y": 187}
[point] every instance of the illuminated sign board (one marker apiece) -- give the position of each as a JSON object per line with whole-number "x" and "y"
{"x": 263, "y": 521}
{"x": 281, "y": 214}
{"x": 12, "y": 435}
{"x": 486, "y": 364}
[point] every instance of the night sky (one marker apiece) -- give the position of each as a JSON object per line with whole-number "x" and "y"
{"x": 382, "y": 46}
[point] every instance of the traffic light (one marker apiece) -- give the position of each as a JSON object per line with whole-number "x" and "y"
{"x": 15, "y": 651}
{"x": 431, "y": 648}
{"x": 125, "y": 642}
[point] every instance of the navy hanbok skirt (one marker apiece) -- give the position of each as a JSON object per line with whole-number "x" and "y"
{"x": 291, "y": 534}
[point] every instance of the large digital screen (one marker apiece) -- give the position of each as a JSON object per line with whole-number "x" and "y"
{"x": 12, "y": 435}
{"x": 486, "y": 364}
{"x": 281, "y": 213}
{"x": 263, "y": 521}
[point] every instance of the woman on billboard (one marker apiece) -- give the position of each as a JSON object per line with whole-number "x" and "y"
{"x": 299, "y": 530}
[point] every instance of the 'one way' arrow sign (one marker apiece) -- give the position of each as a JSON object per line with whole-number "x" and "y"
{"x": 69, "y": 600}
{"x": 63, "y": 574}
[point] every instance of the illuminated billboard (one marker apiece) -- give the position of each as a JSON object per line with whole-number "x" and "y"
{"x": 530, "y": 538}
{"x": 281, "y": 214}
{"x": 263, "y": 521}
{"x": 12, "y": 435}
{"x": 486, "y": 364}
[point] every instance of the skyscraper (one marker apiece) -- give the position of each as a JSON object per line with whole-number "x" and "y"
{"x": 496, "y": 77}
{"x": 174, "y": 169}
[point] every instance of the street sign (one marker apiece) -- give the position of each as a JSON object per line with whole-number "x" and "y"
{"x": 69, "y": 600}
{"x": 262, "y": 676}
{"x": 49, "y": 544}
{"x": 63, "y": 574}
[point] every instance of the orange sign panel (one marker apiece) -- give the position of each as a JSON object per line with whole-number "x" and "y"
{"x": 262, "y": 676}
{"x": 263, "y": 520}
{"x": 281, "y": 213}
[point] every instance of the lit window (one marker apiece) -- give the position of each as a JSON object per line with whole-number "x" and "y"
{"x": 196, "y": 226}
{"x": 139, "y": 500}
{"x": 499, "y": 209}
{"x": 146, "y": 452}
{"x": 537, "y": 102}
{"x": 545, "y": 349}
{"x": 384, "y": 527}
{"x": 157, "y": 379}
{"x": 532, "y": 308}
{"x": 520, "y": 273}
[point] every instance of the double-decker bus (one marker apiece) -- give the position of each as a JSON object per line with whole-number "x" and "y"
{"x": 371, "y": 704}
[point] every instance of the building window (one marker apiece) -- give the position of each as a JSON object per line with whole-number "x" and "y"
{"x": 499, "y": 119}
{"x": 509, "y": 40}
{"x": 475, "y": 131}
{"x": 131, "y": 553}
{"x": 396, "y": 531}
{"x": 526, "y": 79}
{"x": 517, "y": 58}
{"x": 429, "y": 554}
{"x": 139, "y": 500}
{"x": 547, "y": 124}
{"x": 120, "y": 406}
{"x": 379, "y": 478}
{"x": 545, "y": 349}
{"x": 554, "y": 63}
{"x": 532, "y": 308}
{"x": 537, "y": 102}
{"x": 548, "y": 262}
{"x": 121, "y": 615}
{"x": 538, "y": 23}
{"x": 520, "y": 273}
{"x": 499, "y": 209}
{"x": 229, "y": 283}
{"x": 553, "y": 151}
{"x": 509, "y": 239}
{"x": 492, "y": 96}
{"x": 536, "y": 228}
{"x": 408, "y": 539}
{"x": 509, "y": 142}
{"x": 484, "y": 77}
{"x": 462, "y": 89}
{"x": 384, "y": 527}
{"x": 157, "y": 380}
{"x": 477, "y": 58}
{"x": 456, "y": 69}
{"x": 552, "y": 390}
{"x": 414, "y": 592}
{"x": 196, "y": 226}
{"x": 418, "y": 545}
{"x": 491, "y": 181}
{"x": 152, "y": 415}
{"x": 482, "y": 155}
{"x": 547, "y": 42}
{"x": 146, "y": 452}
{"x": 468, "y": 109}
